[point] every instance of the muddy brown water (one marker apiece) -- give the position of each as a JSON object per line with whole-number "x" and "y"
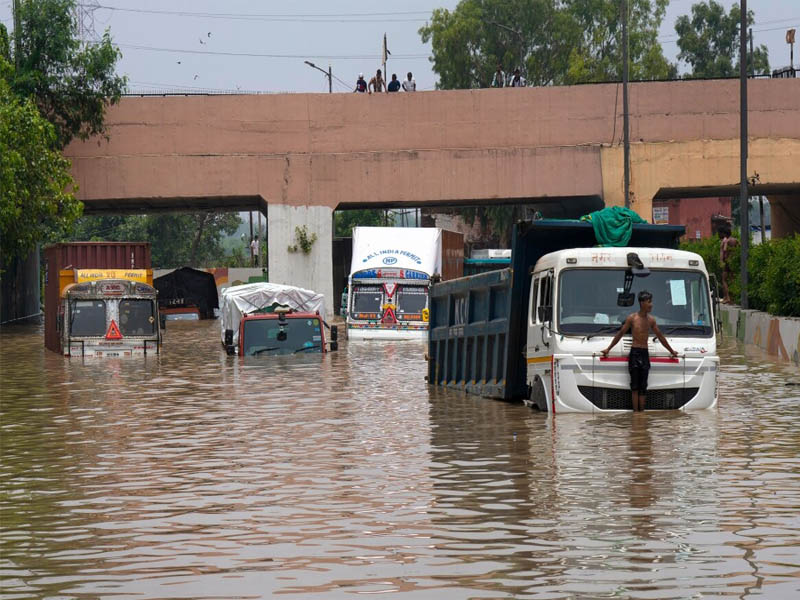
{"x": 197, "y": 475}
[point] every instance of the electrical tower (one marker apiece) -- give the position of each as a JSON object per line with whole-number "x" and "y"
{"x": 84, "y": 19}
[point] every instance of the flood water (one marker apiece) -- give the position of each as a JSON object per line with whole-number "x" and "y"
{"x": 195, "y": 475}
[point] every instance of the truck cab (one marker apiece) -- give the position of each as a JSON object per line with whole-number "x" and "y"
{"x": 282, "y": 332}
{"x": 108, "y": 312}
{"x": 579, "y": 299}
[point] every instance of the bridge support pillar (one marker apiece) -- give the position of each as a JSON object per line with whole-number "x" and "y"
{"x": 784, "y": 215}
{"x": 312, "y": 270}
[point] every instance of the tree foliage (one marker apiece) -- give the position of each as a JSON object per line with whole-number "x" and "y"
{"x": 345, "y": 220}
{"x": 553, "y": 43}
{"x": 71, "y": 83}
{"x": 34, "y": 177}
{"x": 709, "y": 41}
{"x": 176, "y": 240}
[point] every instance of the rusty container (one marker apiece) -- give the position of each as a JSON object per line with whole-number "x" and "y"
{"x": 452, "y": 254}
{"x": 84, "y": 255}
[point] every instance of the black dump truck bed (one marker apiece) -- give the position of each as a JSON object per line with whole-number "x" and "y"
{"x": 477, "y": 323}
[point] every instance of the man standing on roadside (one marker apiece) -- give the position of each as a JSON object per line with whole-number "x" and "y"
{"x": 726, "y": 246}
{"x": 254, "y": 250}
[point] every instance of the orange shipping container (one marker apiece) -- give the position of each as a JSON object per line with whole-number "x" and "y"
{"x": 84, "y": 255}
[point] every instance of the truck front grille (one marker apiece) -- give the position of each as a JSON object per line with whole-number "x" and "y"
{"x": 617, "y": 399}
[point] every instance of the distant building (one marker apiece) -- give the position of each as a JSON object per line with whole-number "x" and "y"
{"x": 700, "y": 216}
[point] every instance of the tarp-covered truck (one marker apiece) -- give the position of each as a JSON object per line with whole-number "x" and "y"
{"x": 390, "y": 276}
{"x": 269, "y": 318}
{"x": 535, "y": 331}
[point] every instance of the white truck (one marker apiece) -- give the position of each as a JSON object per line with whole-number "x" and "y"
{"x": 390, "y": 277}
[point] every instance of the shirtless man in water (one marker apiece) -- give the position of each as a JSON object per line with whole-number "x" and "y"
{"x": 640, "y": 324}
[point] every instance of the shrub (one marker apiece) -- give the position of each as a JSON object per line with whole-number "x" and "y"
{"x": 773, "y": 272}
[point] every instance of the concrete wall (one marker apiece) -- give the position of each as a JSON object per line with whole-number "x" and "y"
{"x": 440, "y": 147}
{"x": 314, "y": 270}
{"x": 778, "y": 336}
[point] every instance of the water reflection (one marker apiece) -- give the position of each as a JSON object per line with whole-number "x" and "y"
{"x": 194, "y": 474}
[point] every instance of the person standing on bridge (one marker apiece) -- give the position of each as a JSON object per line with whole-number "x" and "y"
{"x": 361, "y": 84}
{"x": 409, "y": 85}
{"x": 254, "y": 250}
{"x": 517, "y": 80}
{"x": 394, "y": 84}
{"x": 499, "y": 79}
{"x": 376, "y": 84}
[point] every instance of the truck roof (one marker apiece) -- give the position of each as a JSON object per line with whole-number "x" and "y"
{"x": 652, "y": 258}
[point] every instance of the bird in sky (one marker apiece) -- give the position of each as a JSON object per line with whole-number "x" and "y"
{"x": 201, "y": 41}
{"x": 179, "y": 62}
{"x": 195, "y": 76}
{"x": 209, "y": 34}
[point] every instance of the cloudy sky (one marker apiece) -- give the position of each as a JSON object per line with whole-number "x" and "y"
{"x": 254, "y": 45}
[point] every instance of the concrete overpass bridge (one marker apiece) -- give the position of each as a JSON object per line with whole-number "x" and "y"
{"x": 299, "y": 157}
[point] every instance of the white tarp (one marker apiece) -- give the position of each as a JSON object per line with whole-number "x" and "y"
{"x": 415, "y": 248}
{"x": 240, "y": 300}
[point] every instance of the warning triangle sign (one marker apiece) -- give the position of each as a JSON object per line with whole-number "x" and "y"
{"x": 113, "y": 331}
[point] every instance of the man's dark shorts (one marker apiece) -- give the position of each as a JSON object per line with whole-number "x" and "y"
{"x": 639, "y": 367}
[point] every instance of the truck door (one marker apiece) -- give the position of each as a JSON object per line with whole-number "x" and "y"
{"x": 540, "y": 337}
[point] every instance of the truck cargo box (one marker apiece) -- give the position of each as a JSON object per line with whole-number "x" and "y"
{"x": 477, "y": 323}
{"x": 84, "y": 255}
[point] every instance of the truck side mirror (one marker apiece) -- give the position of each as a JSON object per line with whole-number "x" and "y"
{"x": 334, "y": 333}
{"x": 229, "y": 349}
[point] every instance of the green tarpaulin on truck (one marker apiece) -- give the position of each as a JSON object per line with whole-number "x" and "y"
{"x": 613, "y": 225}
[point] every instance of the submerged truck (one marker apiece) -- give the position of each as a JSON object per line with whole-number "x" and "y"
{"x": 535, "y": 331}
{"x": 269, "y": 318}
{"x": 108, "y": 313}
{"x": 390, "y": 277}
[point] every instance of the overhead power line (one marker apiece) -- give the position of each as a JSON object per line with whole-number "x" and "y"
{"x": 322, "y": 18}
{"x": 264, "y": 55}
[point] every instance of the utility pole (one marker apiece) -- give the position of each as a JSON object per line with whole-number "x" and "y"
{"x": 625, "y": 122}
{"x": 752, "y": 59}
{"x": 744, "y": 208}
{"x": 15, "y": 10}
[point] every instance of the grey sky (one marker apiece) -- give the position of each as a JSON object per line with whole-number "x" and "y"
{"x": 266, "y": 52}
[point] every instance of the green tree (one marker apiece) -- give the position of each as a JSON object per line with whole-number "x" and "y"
{"x": 34, "y": 177}
{"x": 71, "y": 83}
{"x": 553, "y": 43}
{"x": 345, "y": 220}
{"x": 176, "y": 239}
{"x": 709, "y": 41}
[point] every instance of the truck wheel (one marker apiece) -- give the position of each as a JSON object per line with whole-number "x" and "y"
{"x": 538, "y": 395}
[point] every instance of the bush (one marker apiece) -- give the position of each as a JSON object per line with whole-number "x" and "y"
{"x": 773, "y": 269}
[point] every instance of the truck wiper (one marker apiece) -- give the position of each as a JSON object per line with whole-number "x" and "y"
{"x": 604, "y": 329}
{"x": 260, "y": 350}
{"x": 688, "y": 326}
{"x": 304, "y": 348}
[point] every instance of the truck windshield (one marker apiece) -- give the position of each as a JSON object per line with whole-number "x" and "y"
{"x": 587, "y": 301}
{"x": 87, "y": 318}
{"x": 367, "y": 301}
{"x": 263, "y": 336}
{"x": 137, "y": 317}
{"x": 411, "y": 301}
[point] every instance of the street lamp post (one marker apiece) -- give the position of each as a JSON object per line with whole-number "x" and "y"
{"x": 328, "y": 74}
